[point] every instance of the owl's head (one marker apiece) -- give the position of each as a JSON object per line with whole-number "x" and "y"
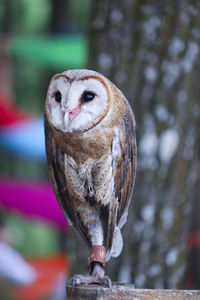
{"x": 77, "y": 100}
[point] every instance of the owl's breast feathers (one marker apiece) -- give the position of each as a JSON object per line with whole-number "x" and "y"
{"x": 93, "y": 172}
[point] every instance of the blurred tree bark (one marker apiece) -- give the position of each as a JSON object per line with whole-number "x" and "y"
{"x": 150, "y": 50}
{"x": 59, "y": 16}
{"x": 7, "y": 16}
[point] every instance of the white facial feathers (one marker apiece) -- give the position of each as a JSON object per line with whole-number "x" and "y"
{"x": 69, "y": 111}
{"x": 55, "y": 108}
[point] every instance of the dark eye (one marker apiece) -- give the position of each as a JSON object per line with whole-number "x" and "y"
{"x": 58, "y": 96}
{"x": 87, "y": 97}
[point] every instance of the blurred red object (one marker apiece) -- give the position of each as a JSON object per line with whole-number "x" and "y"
{"x": 9, "y": 113}
{"x": 49, "y": 270}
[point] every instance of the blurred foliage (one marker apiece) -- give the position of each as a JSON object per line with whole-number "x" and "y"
{"x": 28, "y": 16}
{"x": 29, "y": 85}
{"x": 78, "y": 252}
{"x": 16, "y": 167}
{"x": 5, "y": 290}
{"x": 31, "y": 20}
{"x": 79, "y": 13}
{"x": 33, "y": 17}
{"x": 32, "y": 237}
{"x": 52, "y": 52}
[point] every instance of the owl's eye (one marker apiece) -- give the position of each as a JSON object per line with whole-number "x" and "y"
{"x": 87, "y": 97}
{"x": 58, "y": 96}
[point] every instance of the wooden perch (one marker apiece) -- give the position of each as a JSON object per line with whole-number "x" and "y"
{"x": 121, "y": 291}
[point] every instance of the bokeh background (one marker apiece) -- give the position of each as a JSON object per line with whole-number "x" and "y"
{"x": 150, "y": 50}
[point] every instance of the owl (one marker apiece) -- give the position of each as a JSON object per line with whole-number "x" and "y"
{"x": 91, "y": 155}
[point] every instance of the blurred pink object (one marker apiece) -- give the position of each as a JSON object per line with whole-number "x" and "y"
{"x": 36, "y": 200}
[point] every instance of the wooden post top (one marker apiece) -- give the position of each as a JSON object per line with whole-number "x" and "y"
{"x": 121, "y": 291}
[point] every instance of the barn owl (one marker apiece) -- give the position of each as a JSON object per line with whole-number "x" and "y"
{"x": 91, "y": 155}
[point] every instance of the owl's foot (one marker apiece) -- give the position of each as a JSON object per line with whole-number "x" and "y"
{"x": 97, "y": 276}
{"x": 81, "y": 279}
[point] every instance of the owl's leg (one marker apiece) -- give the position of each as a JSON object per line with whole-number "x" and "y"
{"x": 96, "y": 268}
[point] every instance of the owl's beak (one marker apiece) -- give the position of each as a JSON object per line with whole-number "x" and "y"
{"x": 74, "y": 112}
{"x": 70, "y": 115}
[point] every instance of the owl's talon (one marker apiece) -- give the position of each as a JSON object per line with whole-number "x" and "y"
{"x": 75, "y": 282}
{"x": 107, "y": 281}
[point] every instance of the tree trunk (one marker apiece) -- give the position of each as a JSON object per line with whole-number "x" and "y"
{"x": 150, "y": 50}
{"x": 7, "y": 18}
{"x": 59, "y": 16}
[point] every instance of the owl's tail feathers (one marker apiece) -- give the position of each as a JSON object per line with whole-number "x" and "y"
{"x": 117, "y": 244}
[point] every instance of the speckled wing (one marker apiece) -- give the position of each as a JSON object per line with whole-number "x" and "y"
{"x": 124, "y": 154}
{"x": 55, "y": 159}
{"x": 124, "y": 169}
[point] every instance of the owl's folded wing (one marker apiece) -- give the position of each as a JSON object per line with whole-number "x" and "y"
{"x": 123, "y": 172}
{"x": 55, "y": 159}
{"x": 124, "y": 169}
